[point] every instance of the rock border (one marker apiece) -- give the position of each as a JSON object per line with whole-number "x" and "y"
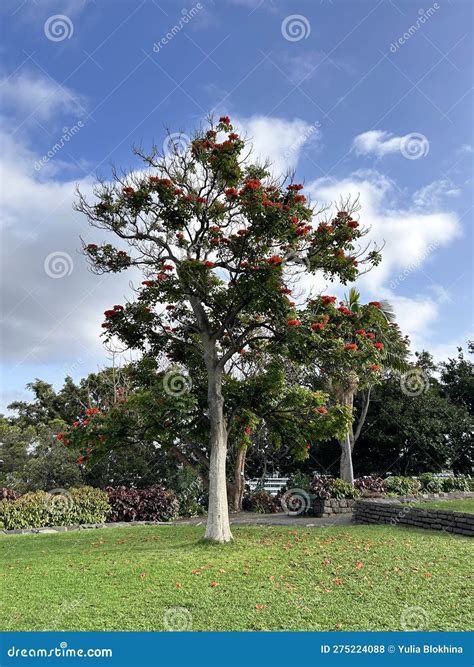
{"x": 401, "y": 512}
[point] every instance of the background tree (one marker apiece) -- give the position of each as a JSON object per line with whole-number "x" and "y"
{"x": 211, "y": 231}
{"x": 346, "y": 349}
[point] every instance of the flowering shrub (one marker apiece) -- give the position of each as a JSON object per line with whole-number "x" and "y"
{"x": 153, "y": 504}
{"x": 403, "y": 486}
{"x": 39, "y": 509}
{"x": 371, "y": 486}
{"x": 261, "y": 502}
{"x": 326, "y": 487}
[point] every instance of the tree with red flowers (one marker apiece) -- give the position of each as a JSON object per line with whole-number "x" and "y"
{"x": 217, "y": 240}
{"x": 350, "y": 345}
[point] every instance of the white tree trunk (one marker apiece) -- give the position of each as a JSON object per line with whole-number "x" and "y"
{"x": 218, "y": 525}
{"x": 346, "y": 471}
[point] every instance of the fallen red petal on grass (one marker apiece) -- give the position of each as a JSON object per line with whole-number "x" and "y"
{"x": 259, "y": 606}
{"x": 142, "y": 575}
{"x": 359, "y": 565}
{"x": 326, "y": 561}
{"x": 428, "y": 574}
{"x": 179, "y": 584}
{"x": 214, "y": 584}
{"x": 338, "y": 581}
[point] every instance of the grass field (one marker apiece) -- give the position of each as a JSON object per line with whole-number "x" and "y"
{"x": 338, "y": 578}
{"x": 463, "y": 505}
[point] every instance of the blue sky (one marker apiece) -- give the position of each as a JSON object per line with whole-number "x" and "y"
{"x": 365, "y": 98}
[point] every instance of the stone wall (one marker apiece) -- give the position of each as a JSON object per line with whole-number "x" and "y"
{"x": 397, "y": 513}
{"x": 325, "y": 508}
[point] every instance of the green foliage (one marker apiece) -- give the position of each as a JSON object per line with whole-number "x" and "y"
{"x": 262, "y": 502}
{"x": 403, "y": 486}
{"x": 38, "y": 509}
{"x": 323, "y": 486}
{"x": 455, "y": 484}
{"x": 430, "y": 483}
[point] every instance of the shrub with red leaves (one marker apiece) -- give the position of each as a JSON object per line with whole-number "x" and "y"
{"x": 153, "y": 504}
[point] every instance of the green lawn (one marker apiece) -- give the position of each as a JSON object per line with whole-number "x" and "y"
{"x": 270, "y": 578}
{"x": 463, "y": 505}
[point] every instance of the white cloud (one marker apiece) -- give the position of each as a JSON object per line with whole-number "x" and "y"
{"x": 26, "y": 96}
{"x": 279, "y": 140}
{"x": 433, "y": 195}
{"x": 378, "y": 143}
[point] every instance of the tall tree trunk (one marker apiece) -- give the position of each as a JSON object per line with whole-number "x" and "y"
{"x": 238, "y": 485}
{"x": 345, "y": 396}
{"x": 346, "y": 471}
{"x": 218, "y": 526}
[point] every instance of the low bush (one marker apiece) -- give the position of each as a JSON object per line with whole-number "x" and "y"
{"x": 403, "y": 486}
{"x": 153, "y": 504}
{"x": 371, "y": 486}
{"x": 39, "y": 509}
{"x": 261, "y": 502}
{"x": 325, "y": 487}
{"x": 430, "y": 483}
{"x": 455, "y": 484}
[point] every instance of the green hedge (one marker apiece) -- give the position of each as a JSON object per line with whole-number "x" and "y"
{"x": 39, "y": 509}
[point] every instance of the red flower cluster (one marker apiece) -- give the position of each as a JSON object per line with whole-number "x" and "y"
{"x": 275, "y": 260}
{"x": 162, "y": 276}
{"x": 344, "y": 310}
{"x": 328, "y": 299}
{"x": 231, "y": 192}
{"x": 351, "y": 346}
{"x": 225, "y": 120}
{"x": 243, "y": 232}
{"x": 317, "y": 326}
{"x": 114, "y": 311}
{"x": 209, "y": 265}
{"x": 376, "y": 304}
{"x": 128, "y": 191}
{"x": 148, "y": 283}
{"x": 371, "y": 335}
{"x": 294, "y": 323}
{"x": 285, "y": 290}
{"x": 168, "y": 267}
{"x": 295, "y": 187}
{"x": 375, "y": 367}
{"x": 307, "y": 446}
{"x": 92, "y": 247}
{"x": 353, "y": 224}
{"x": 247, "y": 430}
{"x": 360, "y": 332}
{"x": 90, "y": 412}
{"x": 299, "y": 198}
{"x": 322, "y": 411}
{"x": 201, "y": 200}
{"x": 252, "y": 184}
{"x": 379, "y": 346}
